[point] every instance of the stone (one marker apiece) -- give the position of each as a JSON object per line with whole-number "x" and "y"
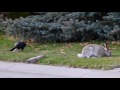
{"x": 34, "y": 59}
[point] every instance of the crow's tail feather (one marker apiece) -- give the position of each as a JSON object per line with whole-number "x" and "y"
{"x": 12, "y": 49}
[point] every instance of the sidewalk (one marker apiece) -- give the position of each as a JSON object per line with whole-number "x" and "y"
{"x": 23, "y": 70}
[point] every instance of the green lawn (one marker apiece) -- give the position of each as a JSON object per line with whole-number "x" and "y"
{"x": 60, "y": 54}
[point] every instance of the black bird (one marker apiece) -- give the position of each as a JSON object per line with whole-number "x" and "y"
{"x": 19, "y": 46}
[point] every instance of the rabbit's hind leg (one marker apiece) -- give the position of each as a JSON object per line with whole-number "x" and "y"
{"x": 89, "y": 54}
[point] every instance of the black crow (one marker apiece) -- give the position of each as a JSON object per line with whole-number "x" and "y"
{"x": 19, "y": 46}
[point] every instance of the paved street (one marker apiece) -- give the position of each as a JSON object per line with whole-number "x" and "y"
{"x": 24, "y": 70}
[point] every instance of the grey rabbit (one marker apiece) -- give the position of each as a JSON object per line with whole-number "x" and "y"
{"x": 94, "y": 50}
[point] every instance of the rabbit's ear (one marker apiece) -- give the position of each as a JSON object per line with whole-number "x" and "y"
{"x": 106, "y": 44}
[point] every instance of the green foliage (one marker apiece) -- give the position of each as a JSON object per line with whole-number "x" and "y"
{"x": 66, "y": 26}
{"x": 2, "y": 27}
{"x": 15, "y": 15}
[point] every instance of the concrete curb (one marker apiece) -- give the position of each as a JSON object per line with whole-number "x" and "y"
{"x": 24, "y": 70}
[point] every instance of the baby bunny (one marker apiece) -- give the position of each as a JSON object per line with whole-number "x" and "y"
{"x": 94, "y": 50}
